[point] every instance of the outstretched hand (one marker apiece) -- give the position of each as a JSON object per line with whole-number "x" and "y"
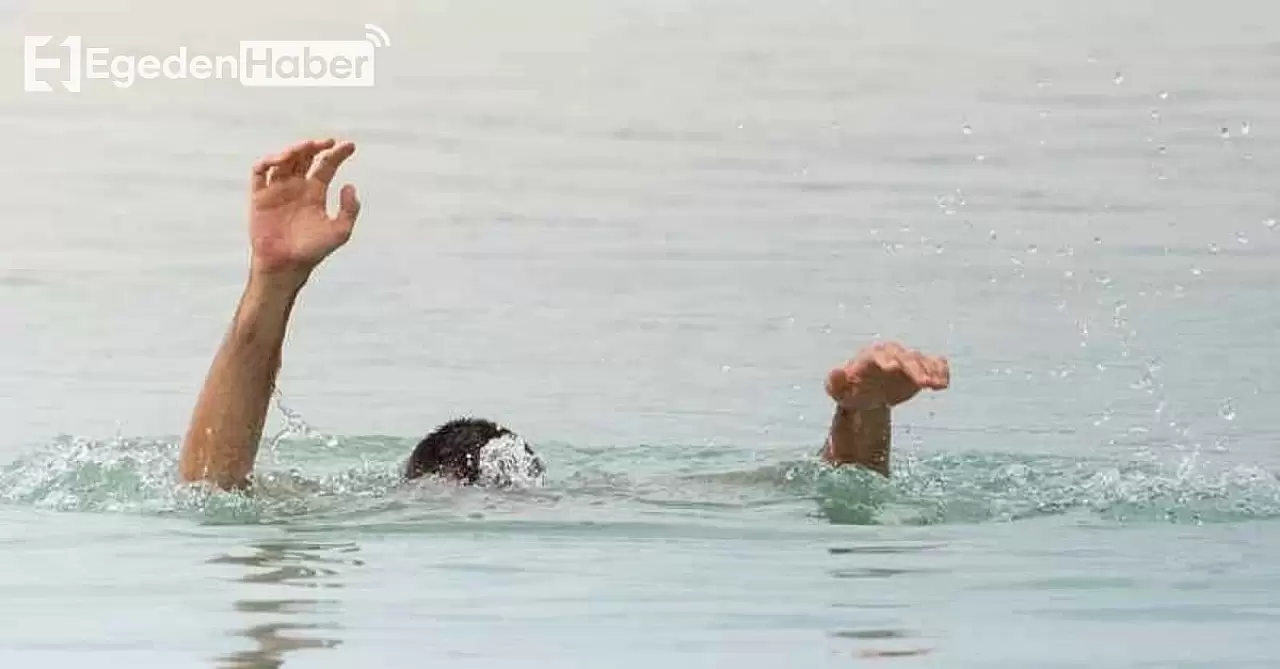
{"x": 885, "y": 375}
{"x": 289, "y": 228}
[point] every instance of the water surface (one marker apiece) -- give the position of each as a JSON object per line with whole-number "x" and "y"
{"x": 638, "y": 234}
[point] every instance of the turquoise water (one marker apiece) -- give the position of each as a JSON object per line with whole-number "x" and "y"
{"x": 639, "y": 234}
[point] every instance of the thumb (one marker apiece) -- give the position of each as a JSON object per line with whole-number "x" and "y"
{"x": 348, "y": 207}
{"x": 837, "y": 383}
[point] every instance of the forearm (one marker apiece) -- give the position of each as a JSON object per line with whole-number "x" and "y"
{"x": 222, "y": 440}
{"x": 860, "y": 437}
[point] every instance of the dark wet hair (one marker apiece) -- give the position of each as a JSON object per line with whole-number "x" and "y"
{"x": 453, "y": 450}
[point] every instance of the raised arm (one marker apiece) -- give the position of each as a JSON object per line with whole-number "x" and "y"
{"x": 865, "y": 391}
{"x": 290, "y": 233}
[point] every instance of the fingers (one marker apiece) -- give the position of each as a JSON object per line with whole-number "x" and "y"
{"x": 259, "y": 179}
{"x": 922, "y": 370}
{"x": 888, "y": 357}
{"x": 917, "y": 369}
{"x": 329, "y": 162}
{"x": 943, "y": 372}
{"x": 297, "y": 159}
{"x": 348, "y": 208}
{"x": 291, "y": 162}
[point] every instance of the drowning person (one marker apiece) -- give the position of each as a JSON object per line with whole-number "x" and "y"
{"x": 291, "y": 233}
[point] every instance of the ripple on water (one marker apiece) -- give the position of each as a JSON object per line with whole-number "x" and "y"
{"x": 355, "y": 482}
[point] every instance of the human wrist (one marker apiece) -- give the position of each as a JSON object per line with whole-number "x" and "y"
{"x": 277, "y": 280}
{"x": 267, "y": 301}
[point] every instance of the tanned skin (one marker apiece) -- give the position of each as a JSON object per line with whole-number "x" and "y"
{"x": 291, "y": 233}
{"x": 865, "y": 391}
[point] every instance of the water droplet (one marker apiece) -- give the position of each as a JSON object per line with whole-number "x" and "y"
{"x": 1245, "y": 128}
{"x": 937, "y": 249}
{"x": 1213, "y": 248}
{"x": 725, "y": 368}
{"x": 1155, "y": 114}
{"x": 1241, "y": 239}
{"x": 1196, "y": 271}
{"x": 1225, "y": 133}
{"x": 1228, "y": 410}
{"x": 1270, "y": 223}
{"x": 1119, "y": 78}
{"x": 1044, "y": 113}
{"x": 1042, "y": 83}
{"x": 1164, "y": 95}
{"x": 1033, "y": 249}
{"x": 1067, "y": 274}
{"x": 993, "y": 234}
{"x": 1145, "y": 383}
{"x": 966, "y": 129}
{"x": 980, "y": 158}
{"x": 1162, "y": 149}
{"x": 1097, "y": 240}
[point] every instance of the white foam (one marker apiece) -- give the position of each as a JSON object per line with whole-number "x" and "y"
{"x": 508, "y": 461}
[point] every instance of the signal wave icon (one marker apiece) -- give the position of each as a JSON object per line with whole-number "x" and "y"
{"x": 376, "y": 36}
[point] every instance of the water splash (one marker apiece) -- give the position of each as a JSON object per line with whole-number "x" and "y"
{"x": 978, "y": 488}
{"x": 360, "y": 485}
{"x": 508, "y": 461}
{"x": 130, "y": 475}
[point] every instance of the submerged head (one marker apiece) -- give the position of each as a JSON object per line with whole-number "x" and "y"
{"x": 476, "y": 451}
